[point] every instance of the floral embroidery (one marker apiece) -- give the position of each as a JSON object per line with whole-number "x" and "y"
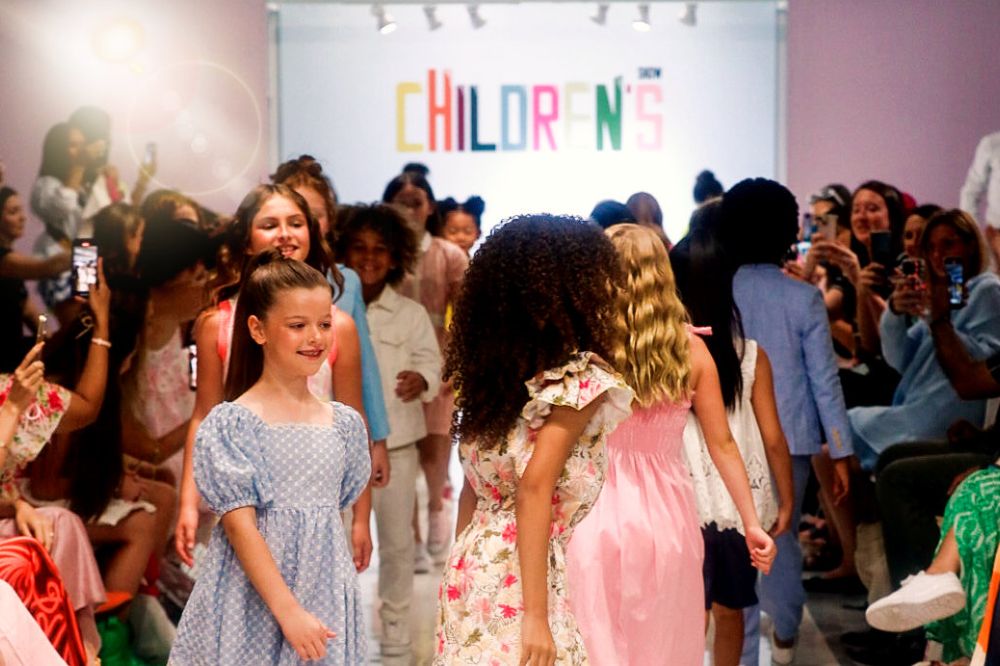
{"x": 34, "y": 430}
{"x": 480, "y": 598}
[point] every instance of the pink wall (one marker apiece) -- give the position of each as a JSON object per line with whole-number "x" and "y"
{"x": 898, "y": 90}
{"x": 197, "y": 86}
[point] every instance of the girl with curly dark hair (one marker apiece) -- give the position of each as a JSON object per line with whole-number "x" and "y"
{"x": 536, "y": 403}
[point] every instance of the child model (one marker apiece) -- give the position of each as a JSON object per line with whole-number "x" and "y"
{"x": 635, "y": 562}
{"x": 377, "y": 244}
{"x": 278, "y": 465}
{"x": 462, "y": 223}
{"x": 537, "y": 402}
{"x": 706, "y": 287}
{"x": 434, "y": 284}
{"x": 270, "y": 216}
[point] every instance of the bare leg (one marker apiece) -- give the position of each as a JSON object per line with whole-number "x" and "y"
{"x": 841, "y": 516}
{"x": 434, "y": 453}
{"x": 947, "y": 559}
{"x": 728, "y": 635}
{"x": 136, "y": 540}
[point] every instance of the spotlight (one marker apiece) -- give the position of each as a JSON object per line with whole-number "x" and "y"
{"x": 600, "y": 17}
{"x": 430, "y": 11}
{"x": 118, "y": 41}
{"x": 475, "y": 19}
{"x": 385, "y": 22}
{"x": 642, "y": 23}
{"x": 689, "y": 14}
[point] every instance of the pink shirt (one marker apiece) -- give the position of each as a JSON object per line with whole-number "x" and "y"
{"x": 436, "y": 279}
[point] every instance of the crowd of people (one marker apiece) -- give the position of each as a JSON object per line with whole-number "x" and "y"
{"x": 650, "y": 432}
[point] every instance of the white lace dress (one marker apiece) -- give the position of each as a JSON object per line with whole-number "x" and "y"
{"x": 714, "y": 502}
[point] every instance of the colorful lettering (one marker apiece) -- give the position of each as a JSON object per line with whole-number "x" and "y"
{"x": 435, "y": 110}
{"x": 402, "y": 90}
{"x": 653, "y": 119}
{"x": 610, "y": 118}
{"x": 506, "y": 92}
{"x": 476, "y": 145}
{"x": 543, "y": 119}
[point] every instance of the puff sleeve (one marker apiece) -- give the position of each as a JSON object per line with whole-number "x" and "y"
{"x": 576, "y": 384}
{"x": 229, "y": 466}
{"x": 357, "y": 458}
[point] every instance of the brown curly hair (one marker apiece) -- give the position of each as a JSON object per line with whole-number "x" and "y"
{"x": 386, "y": 221}
{"x": 541, "y": 288}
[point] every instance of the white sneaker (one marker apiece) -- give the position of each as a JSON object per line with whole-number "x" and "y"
{"x": 781, "y": 656}
{"x": 922, "y": 599}
{"x": 438, "y": 534}
{"x": 421, "y": 563}
{"x": 395, "y": 640}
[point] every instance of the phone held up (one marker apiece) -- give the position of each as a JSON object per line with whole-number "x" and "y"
{"x": 43, "y": 331}
{"x": 84, "y": 266}
{"x": 958, "y": 294}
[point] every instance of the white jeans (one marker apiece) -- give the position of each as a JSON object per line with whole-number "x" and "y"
{"x": 393, "y": 507}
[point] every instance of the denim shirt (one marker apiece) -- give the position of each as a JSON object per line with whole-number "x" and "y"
{"x": 350, "y": 301}
{"x": 788, "y": 319}
{"x": 925, "y": 403}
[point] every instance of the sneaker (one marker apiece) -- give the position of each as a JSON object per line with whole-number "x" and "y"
{"x": 421, "y": 562}
{"x": 922, "y": 599}
{"x": 395, "y": 640}
{"x": 438, "y": 534}
{"x": 782, "y": 656}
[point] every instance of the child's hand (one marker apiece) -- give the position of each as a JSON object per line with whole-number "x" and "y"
{"x": 762, "y": 549}
{"x": 784, "y": 521}
{"x": 361, "y": 543}
{"x": 537, "y": 646}
{"x": 305, "y": 633}
{"x": 28, "y": 376}
{"x": 380, "y": 465}
{"x": 409, "y": 385}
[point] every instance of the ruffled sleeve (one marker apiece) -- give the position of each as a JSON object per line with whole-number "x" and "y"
{"x": 576, "y": 384}
{"x": 357, "y": 458}
{"x": 229, "y": 465}
{"x": 34, "y": 430}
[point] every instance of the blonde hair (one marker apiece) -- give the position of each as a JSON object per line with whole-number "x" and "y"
{"x": 653, "y": 352}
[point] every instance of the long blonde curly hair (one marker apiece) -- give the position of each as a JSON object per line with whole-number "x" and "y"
{"x": 653, "y": 352}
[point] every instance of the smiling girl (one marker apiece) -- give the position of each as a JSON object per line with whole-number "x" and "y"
{"x": 270, "y": 216}
{"x": 278, "y": 464}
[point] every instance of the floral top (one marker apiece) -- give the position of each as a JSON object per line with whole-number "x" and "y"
{"x": 34, "y": 430}
{"x": 480, "y": 599}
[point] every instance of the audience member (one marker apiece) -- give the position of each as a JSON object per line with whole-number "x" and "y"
{"x": 608, "y": 213}
{"x": 646, "y": 210}
{"x": 706, "y": 187}
{"x": 982, "y": 183}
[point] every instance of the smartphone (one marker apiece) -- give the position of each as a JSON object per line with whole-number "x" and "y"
{"x": 150, "y": 157}
{"x": 84, "y": 266}
{"x": 193, "y": 367}
{"x": 957, "y": 293}
{"x": 808, "y": 226}
{"x": 43, "y": 329}
{"x": 826, "y": 226}
{"x": 882, "y": 249}
{"x": 914, "y": 272}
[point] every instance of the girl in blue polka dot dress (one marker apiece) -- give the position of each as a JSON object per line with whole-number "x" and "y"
{"x": 278, "y": 465}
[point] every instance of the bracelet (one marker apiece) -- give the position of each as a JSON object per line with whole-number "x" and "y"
{"x": 101, "y": 342}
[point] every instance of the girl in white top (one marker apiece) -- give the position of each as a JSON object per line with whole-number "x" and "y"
{"x": 705, "y": 285}
{"x": 377, "y": 243}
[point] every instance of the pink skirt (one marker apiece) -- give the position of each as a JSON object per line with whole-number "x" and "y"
{"x": 634, "y": 565}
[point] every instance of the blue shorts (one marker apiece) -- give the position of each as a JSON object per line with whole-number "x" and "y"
{"x": 730, "y": 579}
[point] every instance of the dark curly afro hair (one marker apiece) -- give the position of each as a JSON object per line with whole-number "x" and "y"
{"x": 386, "y": 221}
{"x": 541, "y": 288}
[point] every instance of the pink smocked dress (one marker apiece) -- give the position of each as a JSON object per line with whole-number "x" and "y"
{"x": 634, "y": 563}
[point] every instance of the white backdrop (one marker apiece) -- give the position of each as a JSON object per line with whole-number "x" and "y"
{"x": 358, "y": 101}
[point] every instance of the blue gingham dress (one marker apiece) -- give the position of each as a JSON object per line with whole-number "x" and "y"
{"x": 299, "y": 477}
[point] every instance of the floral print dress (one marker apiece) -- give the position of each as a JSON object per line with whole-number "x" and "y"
{"x": 480, "y": 603}
{"x": 34, "y": 430}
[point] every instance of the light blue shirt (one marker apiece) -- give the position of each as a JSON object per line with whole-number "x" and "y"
{"x": 350, "y": 301}
{"x": 925, "y": 403}
{"x": 788, "y": 319}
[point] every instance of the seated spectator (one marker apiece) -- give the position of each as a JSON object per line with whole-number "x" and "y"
{"x": 951, "y": 595}
{"x": 22, "y": 640}
{"x": 925, "y": 403}
{"x": 914, "y": 228}
{"x": 32, "y": 411}
{"x": 16, "y": 309}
